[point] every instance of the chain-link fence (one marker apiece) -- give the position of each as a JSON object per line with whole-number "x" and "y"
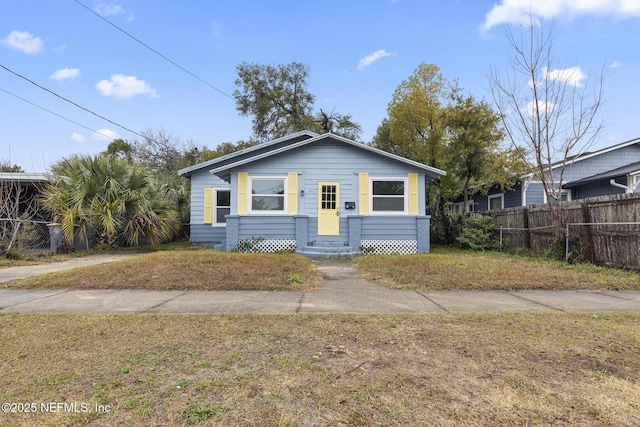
{"x": 613, "y": 244}
{"x": 21, "y": 235}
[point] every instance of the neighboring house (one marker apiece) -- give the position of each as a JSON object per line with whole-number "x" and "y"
{"x": 317, "y": 194}
{"x": 24, "y": 189}
{"x": 612, "y": 170}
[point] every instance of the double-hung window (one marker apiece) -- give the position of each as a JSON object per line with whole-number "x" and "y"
{"x": 268, "y": 194}
{"x": 221, "y": 206}
{"x": 388, "y": 195}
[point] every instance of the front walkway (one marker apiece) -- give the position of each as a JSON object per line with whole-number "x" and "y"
{"x": 343, "y": 291}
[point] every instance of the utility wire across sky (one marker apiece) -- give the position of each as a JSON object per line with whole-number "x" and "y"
{"x": 153, "y": 50}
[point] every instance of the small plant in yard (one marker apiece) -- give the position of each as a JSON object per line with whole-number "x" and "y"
{"x": 479, "y": 233}
{"x": 248, "y": 245}
{"x": 196, "y": 414}
{"x": 296, "y": 277}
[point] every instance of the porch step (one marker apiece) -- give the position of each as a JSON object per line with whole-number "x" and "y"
{"x": 328, "y": 249}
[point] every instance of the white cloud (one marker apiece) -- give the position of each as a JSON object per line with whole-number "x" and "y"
{"x": 23, "y": 41}
{"x": 370, "y": 59}
{"x": 105, "y": 135}
{"x": 544, "y": 108}
{"x": 616, "y": 64}
{"x": 65, "y": 73}
{"x": 125, "y": 87}
{"x": 514, "y": 11}
{"x": 112, "y": 9}
{"x": 573, "y": 76}
{"x": 76, "y": 137}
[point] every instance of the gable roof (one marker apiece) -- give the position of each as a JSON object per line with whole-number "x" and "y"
{"x": 24, "y": 177}
{"x": 615, "y": 173}
{"x": 222, "y": 165}
{"x": 248, "y": 152}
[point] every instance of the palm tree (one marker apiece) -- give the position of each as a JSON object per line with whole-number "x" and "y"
{"x": 110, "y": 197}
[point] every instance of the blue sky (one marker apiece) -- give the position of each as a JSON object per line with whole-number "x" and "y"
{"x": 358, "y": 53}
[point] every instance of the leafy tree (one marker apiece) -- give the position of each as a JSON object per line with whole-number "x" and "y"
{"x": 121, "y": 149}
{"x": 277, "y": 99}
{"x": 432, "y": 122}
{"x": 6, "y": 166}
{"x": 474, "y": 155}
{"x": 416, "y": 113}
{"x": 111, "y": 197}
{"x": 549, "y": 112}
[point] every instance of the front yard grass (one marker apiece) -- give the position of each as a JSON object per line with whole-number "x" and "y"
{"x": 192, "y": 269}
{"x": 451, "y": 269}
{"x": 288, "y": 370}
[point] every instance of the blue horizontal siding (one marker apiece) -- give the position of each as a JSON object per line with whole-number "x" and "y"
{"x": 389, "y": 227}
{"x": 267, "y": 227}
{"x": 206, "y": 234}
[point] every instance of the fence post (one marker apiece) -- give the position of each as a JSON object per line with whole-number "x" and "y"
{"x": 501, "y": 238}
{"x": 566, "y": 245}
{"x": 525, "y": 225}
{"x": 588, "y": 236}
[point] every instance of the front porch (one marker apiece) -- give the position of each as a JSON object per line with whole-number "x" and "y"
{"x": 358, "y": 234}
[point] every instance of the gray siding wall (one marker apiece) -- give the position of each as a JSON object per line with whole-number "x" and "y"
{"x": 200, "y": 232}
{"x": 599, "y": 188}
{"x": 535, "y": 194}
{"x": 328, "y": 163}
{"x": 267, "y": 227}
{"x": 206, "y": 234}
{"x": 601, "y": 163}
{"x": 389, "y": 228}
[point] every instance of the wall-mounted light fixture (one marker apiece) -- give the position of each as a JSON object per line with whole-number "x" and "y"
{"x": 301, "y": 193}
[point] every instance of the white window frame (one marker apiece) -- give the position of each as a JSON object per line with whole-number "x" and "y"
{"x": 562, "y": 193}
{"x": 456, "y": 208}
{"x": 267, "y": 212}
{"x": 215, "y": 222}
{"x": 405, "y": 180}
{"x": 634, "y": 180}
{"x": 495, "y": 196}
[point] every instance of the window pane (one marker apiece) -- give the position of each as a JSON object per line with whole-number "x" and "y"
{"x": 393, "y": 204}
{"x": 267, "y": 203}
{"x": 495, "y": 203}
{"x": 223, "y": 198}
{"x": 267, "y": 186}
{"x": 220, "y": 215}
{"x": 388, "y": 188}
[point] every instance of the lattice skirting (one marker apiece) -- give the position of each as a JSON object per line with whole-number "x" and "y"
{"x": 272, "y": 245}
{"x": 388, "y": 247}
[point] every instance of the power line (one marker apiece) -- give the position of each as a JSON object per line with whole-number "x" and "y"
{"x": 71, "y": 102}
{"x": 153, "y": 50}
{"x": 54, "y": 113}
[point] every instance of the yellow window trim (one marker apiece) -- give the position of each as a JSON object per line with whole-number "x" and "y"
{"x": 363, "y": 191}
{"x": 208, "y": 205}
{"x": 292, "y": 190}
{"x": 413, "y": 194}
{"x": 243, "y": 183}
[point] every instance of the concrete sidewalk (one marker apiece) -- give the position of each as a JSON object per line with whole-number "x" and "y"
{"x": 343, "y": 291}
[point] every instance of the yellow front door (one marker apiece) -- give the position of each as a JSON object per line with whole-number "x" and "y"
{"x": 328, "y": 208}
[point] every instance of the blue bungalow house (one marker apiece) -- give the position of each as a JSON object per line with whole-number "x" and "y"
{"x": 612, "y": 170}
{"x": 316, "y": 194}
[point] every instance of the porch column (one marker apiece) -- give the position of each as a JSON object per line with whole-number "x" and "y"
{"x": 355, "y": 231}
{"x": 302, "y": 231}
{"x": 424, "y": 233}
{"x": 233, "y": 225}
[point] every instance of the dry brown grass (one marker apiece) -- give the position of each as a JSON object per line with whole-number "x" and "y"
{"x": 465, "y": 270}
{"x": 188, "y": 269}
{"x": 308, "y": 370}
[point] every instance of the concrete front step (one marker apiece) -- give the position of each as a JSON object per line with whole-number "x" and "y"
{"x": 328, "y": 251}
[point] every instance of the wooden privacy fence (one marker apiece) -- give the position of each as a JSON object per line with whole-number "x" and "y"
{"x": 600, "y": 230}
